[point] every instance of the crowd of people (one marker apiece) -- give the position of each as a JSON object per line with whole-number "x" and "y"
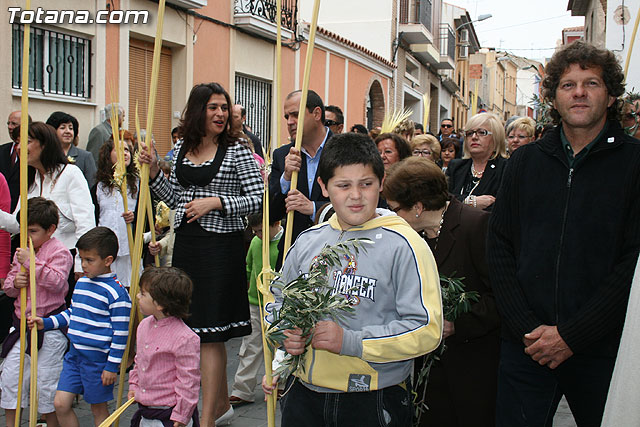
{"x": 539, "y": 229}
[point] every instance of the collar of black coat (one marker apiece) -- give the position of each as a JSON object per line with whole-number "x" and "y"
{"x": 615, "y": 135}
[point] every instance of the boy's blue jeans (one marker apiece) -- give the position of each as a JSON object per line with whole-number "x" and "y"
{"x": 391, "y": 406}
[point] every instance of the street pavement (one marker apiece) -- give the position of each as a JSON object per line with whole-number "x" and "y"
{"x": 253, "y": 415}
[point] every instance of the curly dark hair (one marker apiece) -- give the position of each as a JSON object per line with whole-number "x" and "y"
{"x": 416, "y": 179}
{"x": 402, "y": 145}
{"x": 104, "y": 174}
{"x": 192, "y": 124}
{"x": 169, "y": 287}
{"x": 587, "y": 56}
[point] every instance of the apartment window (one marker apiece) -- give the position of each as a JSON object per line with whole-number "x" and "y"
{"x": 59, "y": 63}
{"x": 255, "y": 96}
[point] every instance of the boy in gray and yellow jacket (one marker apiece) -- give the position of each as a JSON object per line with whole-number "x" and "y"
{"x": 357, "y": 371}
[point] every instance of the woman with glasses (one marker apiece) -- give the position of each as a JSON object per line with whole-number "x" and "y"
{"x": 426, "y": 146}
{"x": 520, "y": 132}
{"x": 474, "y": 179}
{"x": 461, "y": 387}
{"x": 392, "y": 148}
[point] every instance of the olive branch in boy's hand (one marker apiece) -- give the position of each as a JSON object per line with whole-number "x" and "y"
{"x": 308, "y": 301}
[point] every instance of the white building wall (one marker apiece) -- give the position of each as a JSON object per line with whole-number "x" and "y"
{"x": 365, "y": 22}
{"x": 618, "y": 38}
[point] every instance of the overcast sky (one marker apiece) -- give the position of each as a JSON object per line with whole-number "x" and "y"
{"x": 524, "y": 28}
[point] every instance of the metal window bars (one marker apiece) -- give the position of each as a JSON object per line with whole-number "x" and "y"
{"x": 60, "y": 64}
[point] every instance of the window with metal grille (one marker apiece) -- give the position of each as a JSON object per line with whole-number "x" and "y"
{"x": 59, "y": 63}
{"x": 255, "y": 96}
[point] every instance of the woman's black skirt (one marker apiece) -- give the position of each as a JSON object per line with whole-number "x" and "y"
{"x": 215, "y": 262}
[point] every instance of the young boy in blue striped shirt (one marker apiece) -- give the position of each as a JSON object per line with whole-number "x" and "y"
{"x": 98, "y": 322}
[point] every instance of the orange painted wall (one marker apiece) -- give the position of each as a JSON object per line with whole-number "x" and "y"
{"x": 336, "y": 81}
{"x": 288, "y": 86}
{"x": 359, "y": 83}
{"x": 211, "y": 50}
{"x": 112, "y": 64}
{"x": 318, "y": 62}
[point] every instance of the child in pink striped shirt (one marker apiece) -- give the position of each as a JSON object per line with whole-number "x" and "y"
{"x": 165, "y": 379}
{"x": 53, "y": 263}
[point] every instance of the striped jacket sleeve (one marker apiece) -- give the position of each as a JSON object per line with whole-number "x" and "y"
{"x": 58, "y": 321}
{"x": 119, "y": 311}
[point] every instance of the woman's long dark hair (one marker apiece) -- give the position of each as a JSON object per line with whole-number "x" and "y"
{"x": 52, "y": 155}
{"x": 104, "y": 174}
{"x": 192, "y": 125}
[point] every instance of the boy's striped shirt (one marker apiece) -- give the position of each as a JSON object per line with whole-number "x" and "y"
{"x": 98, "y": 319}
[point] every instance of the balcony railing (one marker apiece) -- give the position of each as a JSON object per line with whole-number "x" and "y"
{"x": 416, "y": 12}
{"x": 447, "y": 41}
{"x": 266, "y": 9}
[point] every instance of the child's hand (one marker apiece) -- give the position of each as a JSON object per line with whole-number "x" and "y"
{"x": 128, "y": 217}
{"x": 23, "y": 256}
{"x": 177, "y": 424}
{"x": 268, "y": 388}
{"x": 295, "y": 342}
{"x": 155, "y": 248}
{"x": 108, "y": 378}
{"x": 21, "y": 280}
{"x": 327, "y": 336}
{"x": 132, "y": 393}
{"x": 35, "y": 321}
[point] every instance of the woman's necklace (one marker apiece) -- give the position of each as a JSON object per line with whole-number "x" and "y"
{"x": 435, "y": 239}
{"x": 475, "y": 173}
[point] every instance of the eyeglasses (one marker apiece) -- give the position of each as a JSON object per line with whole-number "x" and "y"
{"x": 446, "y": 126}
{"x": 331, "y": 123}
{"x": 481, "y": 132}
{"x": 421, "y": 152}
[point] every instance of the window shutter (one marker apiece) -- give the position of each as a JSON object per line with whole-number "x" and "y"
{"x": 140, "y": 63}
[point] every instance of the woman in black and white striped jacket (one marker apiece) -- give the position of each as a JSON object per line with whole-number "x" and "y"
{"x": 214, "y": 182}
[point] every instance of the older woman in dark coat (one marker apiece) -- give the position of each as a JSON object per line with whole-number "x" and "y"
{"x": 461, "y": 388}
{"x": 475, "y": 179}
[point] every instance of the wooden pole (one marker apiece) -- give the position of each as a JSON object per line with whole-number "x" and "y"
{"x": 120, "y": 171}
{"x": 144, "y": 194}
{"x": 301, "y": 113}
{"x": 265, "y": 277}
{"x": 152, "y": 227}
{"x": 116, "y": 414}
{"x": 33, "y": 396}
{"x": 631, "y": 42}
{"x": 24, "y": 141}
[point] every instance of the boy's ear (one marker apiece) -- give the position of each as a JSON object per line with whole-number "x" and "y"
{"x": 108, "y": 260}
{"x": 52, "y": 229}
{"x": 323, "y": 187}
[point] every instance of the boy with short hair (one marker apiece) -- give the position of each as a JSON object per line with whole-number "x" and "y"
{"x": 251, "y": 348}
{"x": 53, "y": 263}
{"x": 165, "y": 379}
{"x": 98, "y": 322}
{"x": 357, "y": 371}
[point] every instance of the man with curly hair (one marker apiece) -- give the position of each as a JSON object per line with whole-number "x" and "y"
{"x": 562, "y": 246}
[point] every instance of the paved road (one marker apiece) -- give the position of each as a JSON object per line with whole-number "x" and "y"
{"x": 255, "y": 415}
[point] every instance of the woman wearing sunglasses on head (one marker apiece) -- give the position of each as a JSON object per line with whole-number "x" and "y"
{"x": 475, "y": 178}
